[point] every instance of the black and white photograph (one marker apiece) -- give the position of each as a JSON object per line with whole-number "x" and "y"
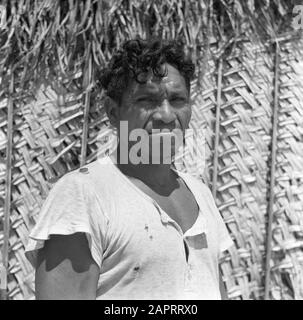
{"x": 151, "y": 150}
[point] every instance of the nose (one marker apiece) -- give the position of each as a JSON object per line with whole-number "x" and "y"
{"x": 165, "y": 113}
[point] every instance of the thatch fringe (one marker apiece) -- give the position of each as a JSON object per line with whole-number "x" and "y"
{"x": 43, "y": 38}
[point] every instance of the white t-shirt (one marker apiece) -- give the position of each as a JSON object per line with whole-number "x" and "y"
{"x": 140, "y": 250}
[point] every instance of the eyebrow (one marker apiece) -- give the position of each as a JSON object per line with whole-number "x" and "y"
{"x": 153, "y": 90}
{"x": 154, "y": 96}
{"x": 178, "y": 93}
{"x": 148, "y": 92}
{"x": 145, "y": 95}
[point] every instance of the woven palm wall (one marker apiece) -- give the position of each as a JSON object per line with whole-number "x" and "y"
{"x": 52, "y": 121}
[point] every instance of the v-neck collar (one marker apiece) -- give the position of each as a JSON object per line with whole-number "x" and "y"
{"x": 198, "y": 227}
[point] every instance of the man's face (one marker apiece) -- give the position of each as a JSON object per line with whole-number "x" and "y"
{"x": 159, "y": 103}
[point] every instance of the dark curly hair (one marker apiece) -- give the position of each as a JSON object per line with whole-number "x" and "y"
{"x": 139, "y": 56}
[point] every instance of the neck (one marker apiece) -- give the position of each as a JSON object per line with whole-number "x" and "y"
{"x": 158, "y": 174}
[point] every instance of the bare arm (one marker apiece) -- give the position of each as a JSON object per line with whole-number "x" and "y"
{"x": 66, "y": 270}
{"x": 222, "y": 287}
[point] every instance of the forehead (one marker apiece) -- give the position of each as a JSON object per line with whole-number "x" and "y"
{"x": 172, "y": 82}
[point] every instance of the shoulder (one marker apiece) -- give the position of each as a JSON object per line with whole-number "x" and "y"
{"x": 86, "y": 175}
{"x": 95, "y": 183}
{"x": 202, "y": 193}
{"x": 197, "y": 182}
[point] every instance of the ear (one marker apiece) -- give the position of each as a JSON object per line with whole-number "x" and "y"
{"x": 112, "y": 110}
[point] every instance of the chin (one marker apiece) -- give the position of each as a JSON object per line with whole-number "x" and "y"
{"x": 161, "y": 157}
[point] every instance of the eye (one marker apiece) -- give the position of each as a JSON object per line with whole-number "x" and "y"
{"x": 143, "y": 99}
{"x": 178, "y": 99}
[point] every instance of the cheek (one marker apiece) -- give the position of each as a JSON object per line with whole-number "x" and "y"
{"x": 136, "y": 118}
{"x": 184, "y": 116}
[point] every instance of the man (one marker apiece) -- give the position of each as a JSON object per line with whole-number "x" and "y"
{"x": 119, "y": 229}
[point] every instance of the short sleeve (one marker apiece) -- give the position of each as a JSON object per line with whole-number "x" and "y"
{"x": 207, "y": 202}
{"x": 224, "y": 238}
{"x": 70, "y": 207}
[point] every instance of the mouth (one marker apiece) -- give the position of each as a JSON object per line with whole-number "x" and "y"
{"x": 161, "y": 133}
